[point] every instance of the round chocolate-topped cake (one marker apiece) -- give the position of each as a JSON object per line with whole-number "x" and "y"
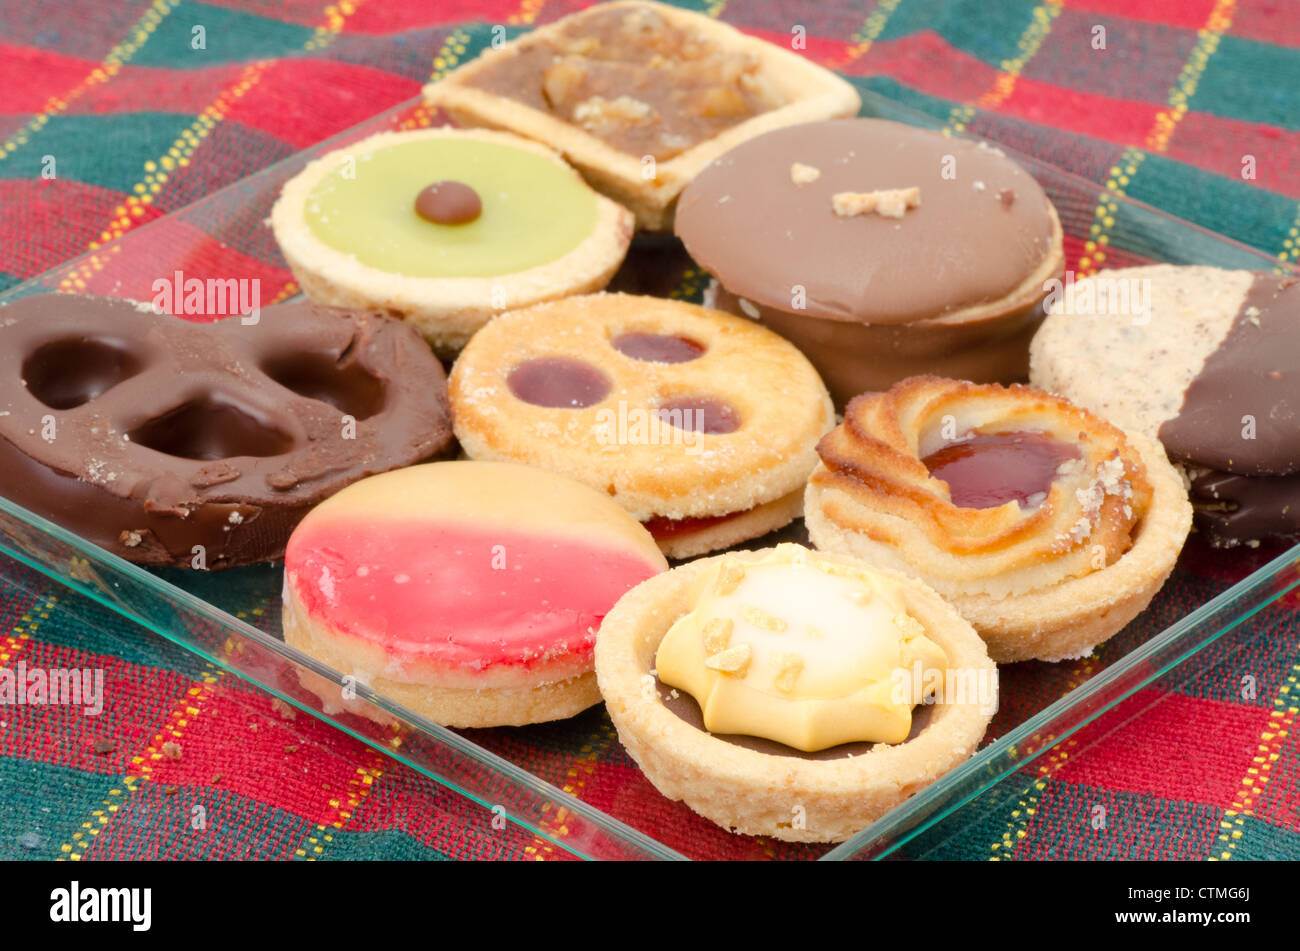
{"x": 879, "y": 249}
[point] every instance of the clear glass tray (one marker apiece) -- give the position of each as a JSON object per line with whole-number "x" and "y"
{"x": 232, "y": 618}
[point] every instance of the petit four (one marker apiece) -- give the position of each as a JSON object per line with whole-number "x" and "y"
{"x": 702, "y": 425}
{"x": 470, "y": 592}
{"x": 792, "y": 693}
{"x": 1046, "y": 527}
{"x": 445, "y": 228}
{"x": 1205, "y": 360}
{"x": 882, "y": 251}
{"x": 641, "y": 96}
{"x": 170, "y": 442}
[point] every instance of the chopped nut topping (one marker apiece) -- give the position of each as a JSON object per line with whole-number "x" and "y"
{"x": 802, "y": 174}
{"x": 729, "y": 576}
{"x": 886, "y": 202}
{"x": 559, "y": 81}
{"x": 733, "y": 660}
{"x": 717, "y": 634}
{"x": 790, "y": 667}
{"x": 598, "y": 111}
{"x": 762, "y": 88}
{"x": 909, "y": 626}
{"x": 583, "y": 45}
{"x": 762, "y": 620}
{"x": 130, "y": 539}
{"x": 721, "y": 101}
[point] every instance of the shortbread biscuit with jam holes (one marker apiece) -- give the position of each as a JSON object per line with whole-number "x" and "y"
{"x": 702, "y": 425}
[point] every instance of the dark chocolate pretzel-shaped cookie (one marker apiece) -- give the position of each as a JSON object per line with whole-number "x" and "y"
{"x": 177, "y": 443}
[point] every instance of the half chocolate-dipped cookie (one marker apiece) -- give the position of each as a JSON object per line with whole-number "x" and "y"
{"x": 881, "y": 250}
{"x": 445, "y": 228}
{"x": 792, "y": 693}
{"x": 1046, "y": 527}
{"x": 1207, "y": 361}
{"x": 702, "y": 425}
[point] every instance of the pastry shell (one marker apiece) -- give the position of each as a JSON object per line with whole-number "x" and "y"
{"x": 812, "y": 92}
{"x": 446, "y": 310}
{"x": 786, "y": 797}
{"x": 1061, "y": 621}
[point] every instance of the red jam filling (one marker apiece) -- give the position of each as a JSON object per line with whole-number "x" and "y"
{"x": 660, "y": 527}
{"x": 558, "y": 382}
{"x": 985, "y": 470}
{"x": 701, "y": 414}
{"x": 657, "y": 348}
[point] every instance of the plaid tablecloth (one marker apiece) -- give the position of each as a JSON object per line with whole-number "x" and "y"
{"x": 114, "y": 114}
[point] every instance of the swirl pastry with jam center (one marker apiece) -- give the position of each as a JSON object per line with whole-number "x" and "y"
{"x": 1047, "y": 528}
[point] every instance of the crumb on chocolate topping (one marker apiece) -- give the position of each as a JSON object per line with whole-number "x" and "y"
{"x": 802, "y": 174}
{"x": 886, "y": 202}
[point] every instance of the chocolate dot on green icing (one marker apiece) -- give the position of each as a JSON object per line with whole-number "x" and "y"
{"x": 534, "y": 210}
{"x": 448, "y": 203}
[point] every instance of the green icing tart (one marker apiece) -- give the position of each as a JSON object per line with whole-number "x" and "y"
{"x": 361, "y": 228}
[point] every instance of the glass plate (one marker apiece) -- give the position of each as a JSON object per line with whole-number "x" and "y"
{"x": 536, "y": 777}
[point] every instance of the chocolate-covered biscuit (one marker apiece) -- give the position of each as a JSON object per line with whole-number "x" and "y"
{"x": 177, "y": 443}
{"x": 1206, "y": 360}
{"x": 880, "y": 250}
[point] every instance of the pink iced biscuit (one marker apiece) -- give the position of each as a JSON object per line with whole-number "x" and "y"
{"x": 468, "y": 591}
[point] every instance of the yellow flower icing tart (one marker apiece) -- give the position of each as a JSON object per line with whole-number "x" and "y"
{"x": 792, "y": 693}
{"x": 701, "y": 425}
{"x": 446, "y": 227}
{"x": 1046, "y": 527}
{"x": 641, "y": 96}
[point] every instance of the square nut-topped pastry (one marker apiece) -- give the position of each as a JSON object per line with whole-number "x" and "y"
{"x": 641, "y": 96}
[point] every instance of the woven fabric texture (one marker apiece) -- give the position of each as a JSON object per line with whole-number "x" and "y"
{"x": 113, "y": 115}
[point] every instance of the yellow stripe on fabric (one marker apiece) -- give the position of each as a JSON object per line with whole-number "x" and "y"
{"x": 187, "y": 708}
{"x": 156, "y": 172}
{"x": 109, "y": 67}
{"x": 1157, "y": 140}
{"x": 1030, "y": 42}
{"x": 360, "y": 786}
{"x": 1255, "y": 782}
{"x": 1207, "y": 42}
{"x": 870, "y": 31}
{"x": 1027, "y": 807}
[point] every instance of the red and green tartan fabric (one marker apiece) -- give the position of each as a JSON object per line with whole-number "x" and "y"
{"x": 1189, "y": 105}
